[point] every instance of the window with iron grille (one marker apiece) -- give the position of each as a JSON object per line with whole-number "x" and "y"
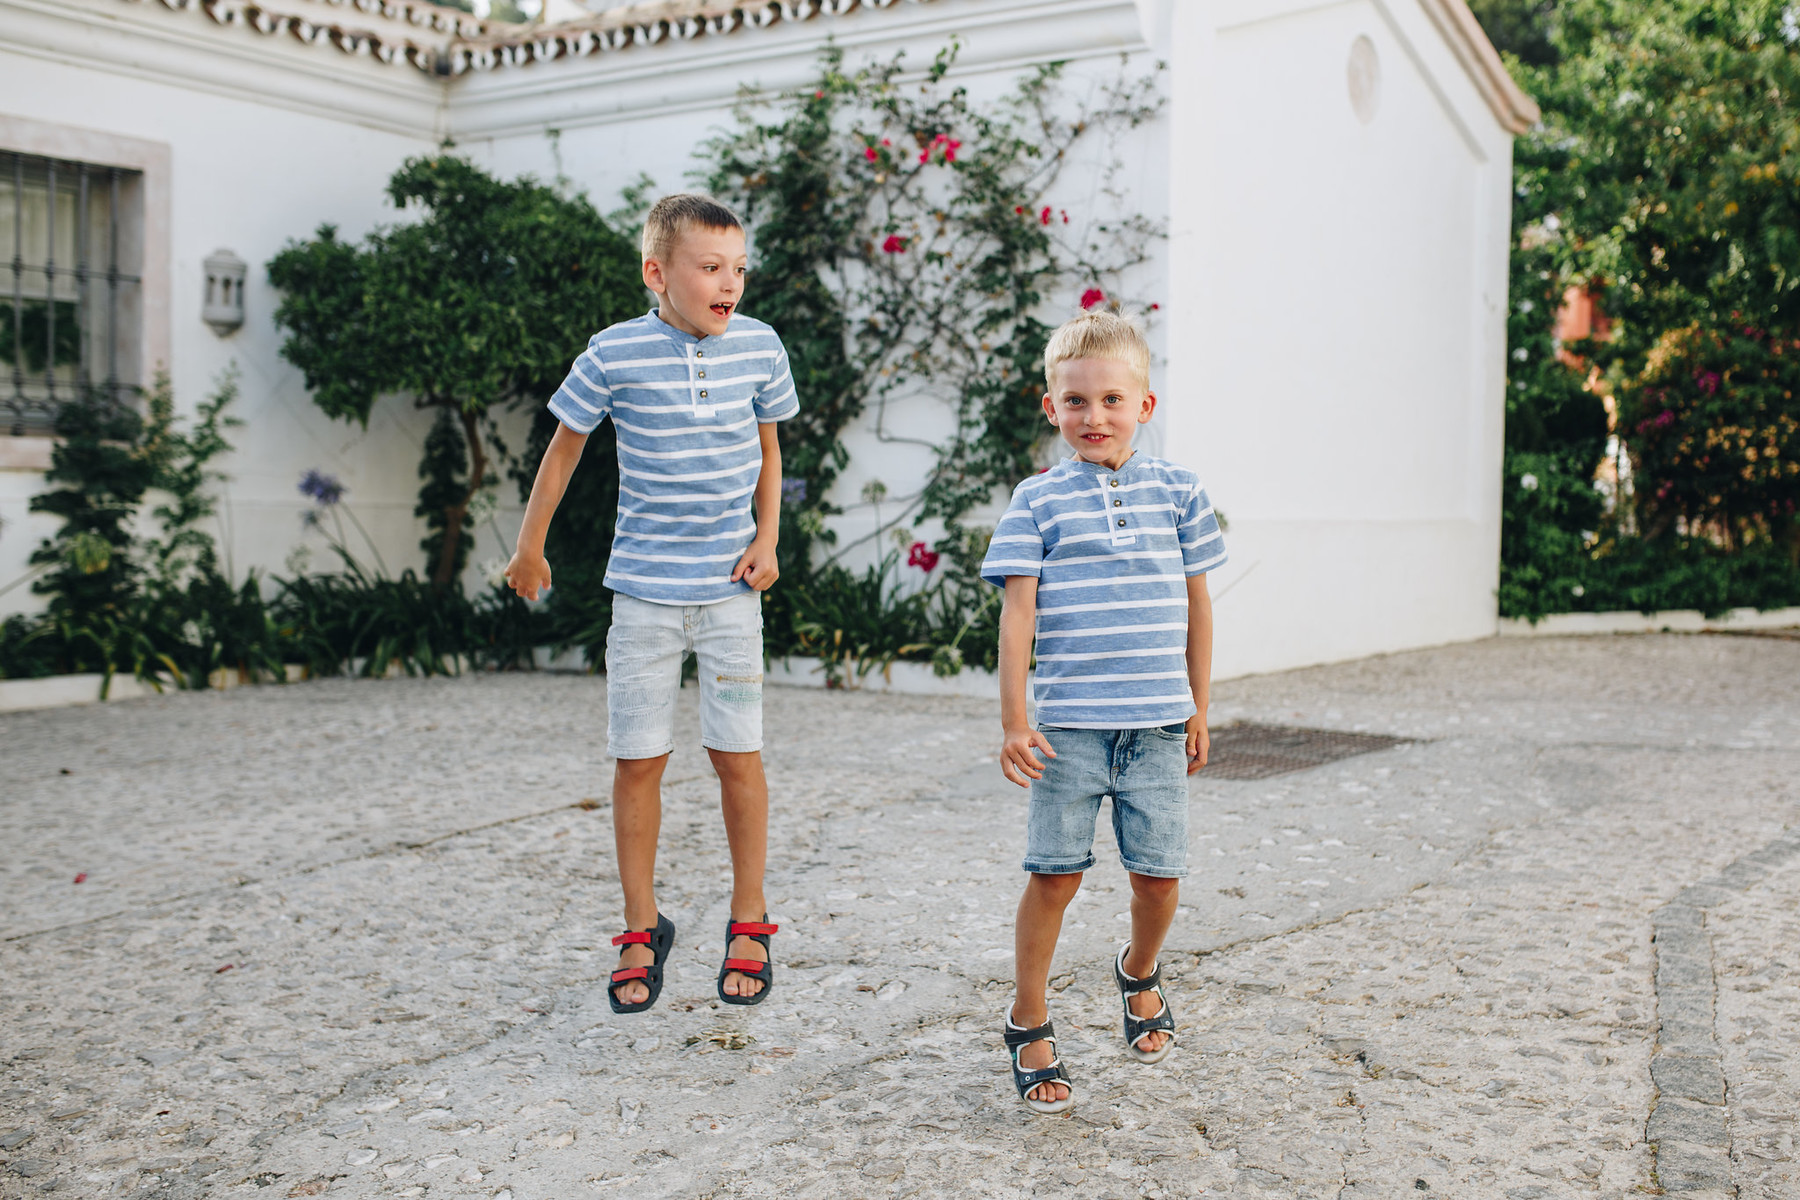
{"x": 70, "y": 303}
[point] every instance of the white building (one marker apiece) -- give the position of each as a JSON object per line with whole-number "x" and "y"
{"x": 1335, "y": 178}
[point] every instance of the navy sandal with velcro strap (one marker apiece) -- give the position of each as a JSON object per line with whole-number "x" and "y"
{"x": 660, "y": 940}
{"x": 763, "y": 972}
{"x": 1135, "y": 1026}
{"x": 1024, "y": 1080}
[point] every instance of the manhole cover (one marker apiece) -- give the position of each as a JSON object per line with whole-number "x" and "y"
{"x": 1244, "y": 751}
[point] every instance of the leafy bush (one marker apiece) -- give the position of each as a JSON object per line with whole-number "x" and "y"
{"x": 1660, "y": 182}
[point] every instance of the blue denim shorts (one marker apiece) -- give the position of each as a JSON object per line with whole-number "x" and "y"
{"x": 644, "y": 649}
{"x": 1145, "y": 773}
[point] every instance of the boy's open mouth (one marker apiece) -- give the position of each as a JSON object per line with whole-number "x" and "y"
{"x": 721, "y": 310}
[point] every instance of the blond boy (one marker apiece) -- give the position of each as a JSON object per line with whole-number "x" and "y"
{"x": 1103, "y": 558}
{"x": 694, "y": 389}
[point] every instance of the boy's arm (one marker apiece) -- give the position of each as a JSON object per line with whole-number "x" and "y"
{"x": 528, "y": 573}
{"x": 1199, "y": 666}
{"x": 758, "y": 566}
{"x": 1018, "y": 629}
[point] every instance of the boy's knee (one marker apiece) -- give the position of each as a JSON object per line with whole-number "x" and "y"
{"x": 1154, "y": 886}
{"x": 1058, "y": 887}
{"x": 640, "y": 770}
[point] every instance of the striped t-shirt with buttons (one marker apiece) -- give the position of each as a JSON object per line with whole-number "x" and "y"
{"x": 686, "y": 411}
{"x": 1112, "y": 551}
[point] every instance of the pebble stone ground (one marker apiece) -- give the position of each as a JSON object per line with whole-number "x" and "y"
{"x": 349, "y": 938}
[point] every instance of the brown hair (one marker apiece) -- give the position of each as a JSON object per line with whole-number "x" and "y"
{"x": 673, "y": 216}
{"x": 1100, "y": 334}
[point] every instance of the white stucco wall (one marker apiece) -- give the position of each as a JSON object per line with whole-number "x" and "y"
{"x": 1330, "y": 342}
{"x": 1344, "y": 287}
{"x": 247, "y": 175}
{"x": 659, "y": 104}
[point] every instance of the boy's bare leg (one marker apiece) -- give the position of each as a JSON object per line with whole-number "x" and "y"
{"x": 744, "y": 799}
{"x": 1153, "y": 901}
{"x": 1034, "y": 945}
{"x": 637, "y": 821}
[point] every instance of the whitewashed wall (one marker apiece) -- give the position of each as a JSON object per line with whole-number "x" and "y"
{"x": 265, "y": 140}
{"x": 662, "y": 102}
{"x": 1344, "y": 284}
{"x": 1330, "y": 343}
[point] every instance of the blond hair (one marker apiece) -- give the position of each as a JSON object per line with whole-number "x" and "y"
{"x": 673, "y": 216}
{"x": 1100, "y": 334}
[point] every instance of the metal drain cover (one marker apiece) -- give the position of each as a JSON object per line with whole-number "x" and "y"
{"x": 1245, "y": 751}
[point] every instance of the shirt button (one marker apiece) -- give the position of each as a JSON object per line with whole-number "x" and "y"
{"x": 1117, "y": 503}
{"x": 1112, "y": 483}
{"x": 703, "y": 393}
{"x": 1121, "y": 522}
{"x": 699, "y": 354}
{"x": 703, "y": 374}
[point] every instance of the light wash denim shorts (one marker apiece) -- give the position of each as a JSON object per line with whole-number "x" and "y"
{"x": 1145, "y": 773}
{"x": 644, "y": 649}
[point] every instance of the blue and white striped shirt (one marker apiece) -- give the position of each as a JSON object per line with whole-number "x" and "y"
{"x": 686, "y": 411}
{"x": 1112, "y": 551}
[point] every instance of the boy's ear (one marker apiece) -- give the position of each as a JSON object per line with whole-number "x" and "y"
{"x": 1149, "y": 407}
{"x": 653, "y": 276}
{"x": 1050, "y": 408}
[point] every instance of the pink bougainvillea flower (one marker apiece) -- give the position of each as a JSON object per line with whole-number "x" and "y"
{"x": 1044, "y": 217}
{"x": 922, "y": 557}
{"x": 1019, "y": 208}
{"x": 1092, "y": 297}
{"x": 818, "y": 95}
{"x": 871, "y": 153}
{"x": 1065, "y": 215}
{"x": 924, "y": 156}
{"x": 895, "y": 244}
{"x": 1154, "y": 307}
{"x": 885, "y": 142}
{"x": 81, "y": 878}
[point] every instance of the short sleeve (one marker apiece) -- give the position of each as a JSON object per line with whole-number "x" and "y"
{"x": 777, "y": 400}
{"x": 1017, "y": 547}
{"x": 584, "y": 400}
{"x": 1202, "y": 542}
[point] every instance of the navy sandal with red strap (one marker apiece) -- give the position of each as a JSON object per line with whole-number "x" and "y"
{"x": 660, "y": 940}
{"x": 763, "y": 972}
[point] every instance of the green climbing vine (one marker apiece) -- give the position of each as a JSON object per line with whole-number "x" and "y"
{"x": 906, "y": 240}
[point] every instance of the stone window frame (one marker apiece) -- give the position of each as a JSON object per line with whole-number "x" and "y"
{"x": 144, "y": 209}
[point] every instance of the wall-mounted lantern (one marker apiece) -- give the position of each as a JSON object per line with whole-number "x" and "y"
{"x": 224, "y": 307}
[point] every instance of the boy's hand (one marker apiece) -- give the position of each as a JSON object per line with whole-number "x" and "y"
{"x": 1017, "y": 760}
{"x": 1199, "y": 742}
{"x": 528, "y": 574}
{"x": 758, "y": 566}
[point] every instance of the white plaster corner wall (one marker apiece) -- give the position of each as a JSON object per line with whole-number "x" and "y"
{"x": 245, "y": 169}
{"x": 601, "y": 121}
{"x": 1343, "y": 281}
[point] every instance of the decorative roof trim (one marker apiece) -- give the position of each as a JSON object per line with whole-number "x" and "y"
{"x": 471, "y": 44}
{"x": 1515, "y": 110}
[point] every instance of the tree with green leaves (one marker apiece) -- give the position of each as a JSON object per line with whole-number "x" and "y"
{"x": 1665, "y": 182}
{"x": 479, "y": 303}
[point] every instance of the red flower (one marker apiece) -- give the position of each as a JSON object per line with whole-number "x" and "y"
{"x": 871, "y": 153}
{"x": 1092, "y": 297}
{"x": 924, "y": 156}
{"x": 1154, "y": 307}
{"x": 818, "y": 95}
{"x": 895, "y": 244}
{"x": 919, "y": 556}
{"x": 1065, "y": 215}
{"x": 1044, "y": 217}
{"x": 1019, "y": 208}
{"x": 885, "y": 142}
{"x": 81, "y": 878}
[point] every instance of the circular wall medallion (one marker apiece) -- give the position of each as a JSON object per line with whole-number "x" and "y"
{"x": 1364, "y": 72}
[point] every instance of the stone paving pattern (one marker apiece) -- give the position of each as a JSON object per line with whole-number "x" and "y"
{"x": 350, "y": 938}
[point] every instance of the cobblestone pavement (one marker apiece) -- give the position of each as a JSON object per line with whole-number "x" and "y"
{"x": 350, "y": 939}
